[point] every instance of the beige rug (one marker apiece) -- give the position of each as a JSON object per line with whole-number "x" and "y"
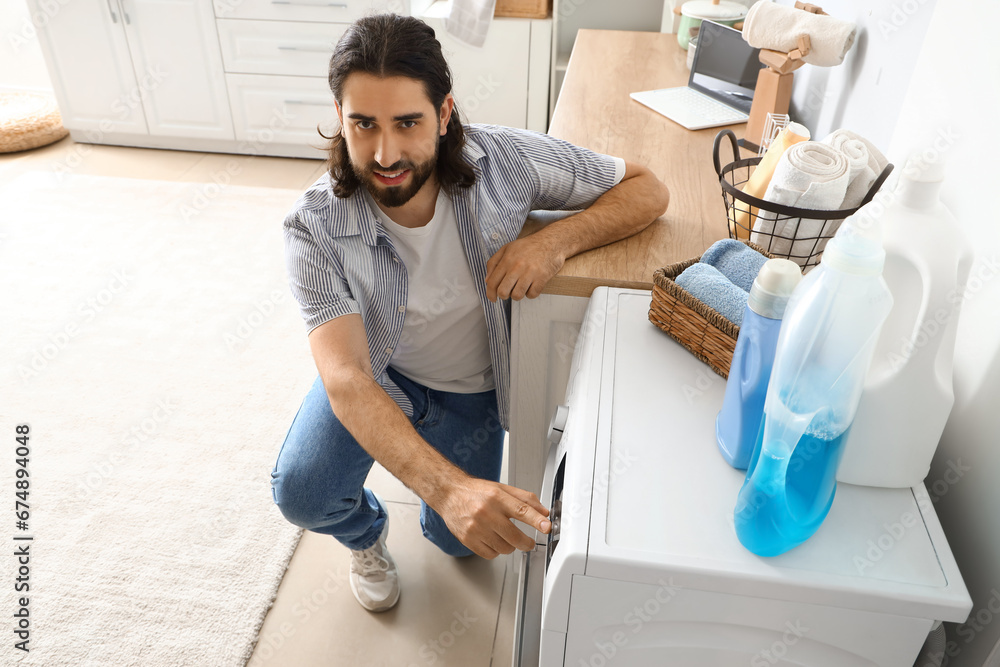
{"x": 149, "y": 340}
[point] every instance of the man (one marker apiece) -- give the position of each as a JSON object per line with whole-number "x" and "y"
{"x": 403, "y": 258}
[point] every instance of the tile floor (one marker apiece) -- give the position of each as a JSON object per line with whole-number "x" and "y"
{"x": 451, "y": 612}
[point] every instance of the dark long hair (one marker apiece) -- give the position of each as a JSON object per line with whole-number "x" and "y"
{"x": 387, "y": 45}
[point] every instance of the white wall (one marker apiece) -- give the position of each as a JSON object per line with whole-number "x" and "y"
{"x": 865, "y": 92}
{"x": 21, "y": 63}
{"x": 922, "y": 71}
{"x": 954, "y": 96}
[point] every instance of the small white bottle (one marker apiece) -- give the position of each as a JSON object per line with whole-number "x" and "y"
{"x": 908, "y": 391}
{"x": 738, "y": 422}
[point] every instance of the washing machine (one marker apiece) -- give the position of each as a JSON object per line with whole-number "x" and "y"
{"x": 642, "y": 567}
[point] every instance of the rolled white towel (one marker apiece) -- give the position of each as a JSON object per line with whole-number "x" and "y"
{"x": 810, "y": 175}
{"x": 778, "y": 27}
{"x": 469, "y": 20}
{"x": 866, "y": 163}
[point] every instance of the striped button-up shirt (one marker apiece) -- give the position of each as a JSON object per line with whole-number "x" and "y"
{"x": 341, "y": 261}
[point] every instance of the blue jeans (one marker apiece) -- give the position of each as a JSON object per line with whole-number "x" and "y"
{"x": 318, "y": 479}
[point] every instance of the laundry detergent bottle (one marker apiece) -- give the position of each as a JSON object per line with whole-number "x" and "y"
{"x": 738, "y": 422}
{"x": 909, "y": 393}
{"x": 825, "y": 346}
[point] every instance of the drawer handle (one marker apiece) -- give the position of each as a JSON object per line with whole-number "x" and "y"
{"x": 338, "y": 5}
{"x": 114, "y": 17}
{"x": 124, "y": 9}
{"x": 308, "y": 103}
{"x": 310, "y": 49}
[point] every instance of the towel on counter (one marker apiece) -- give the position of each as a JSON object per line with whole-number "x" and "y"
{"x": 810, "y": 175}
{"x": 469, "y": 20}
{"x": 707, "y": 284}
{"x": 778, "y": 27}
{"x": 865, "y": 162}
{"x": 737, "y": 261}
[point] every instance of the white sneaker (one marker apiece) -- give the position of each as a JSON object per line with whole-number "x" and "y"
{"x": 374, "y": 578}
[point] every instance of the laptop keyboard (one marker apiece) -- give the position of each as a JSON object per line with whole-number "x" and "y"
{"x": 692, "y": 109}
{"x": 710, "y": 109}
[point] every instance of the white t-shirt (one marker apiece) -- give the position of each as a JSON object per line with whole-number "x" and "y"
{"x": 445, "y": 342}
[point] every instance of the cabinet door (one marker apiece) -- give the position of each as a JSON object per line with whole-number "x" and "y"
{"x": 544, "y": 332}
{"x": 490, "y": 83}
{"x": 88, "y": 61}
{"x": 178, "y": 64}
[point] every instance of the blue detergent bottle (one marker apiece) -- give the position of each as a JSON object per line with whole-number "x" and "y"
{"x": 739, "y": 419}
{"x": 825, "y": 347}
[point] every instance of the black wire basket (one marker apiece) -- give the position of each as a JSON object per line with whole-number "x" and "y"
{"x": 797, "y": 234}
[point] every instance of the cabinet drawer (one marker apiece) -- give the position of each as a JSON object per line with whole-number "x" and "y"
{"x": 327, "y": 11}
{"x": 278, "y": 47}
{"x": 281, "y": 109}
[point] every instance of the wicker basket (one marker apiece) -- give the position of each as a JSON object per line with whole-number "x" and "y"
{"x": 805, "y": 248}
{"x": 702, "y": 330}
{"x": 524, "y": 9}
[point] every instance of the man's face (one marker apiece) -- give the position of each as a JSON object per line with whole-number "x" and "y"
{"x": 392, "y": 132}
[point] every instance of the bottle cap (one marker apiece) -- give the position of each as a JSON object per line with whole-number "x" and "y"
{"x": 773, "y": 286}
{"x": 857, "y": 246}
{"x": 925, "y": 166}
{"x": 919, "y": 185}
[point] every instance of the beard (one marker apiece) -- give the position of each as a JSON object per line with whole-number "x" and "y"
{"x": 393, "y": 196}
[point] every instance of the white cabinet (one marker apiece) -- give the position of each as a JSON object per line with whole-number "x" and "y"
{"x": 250, "y": 76}
{"x": 489, "y": 89}
{"x": 90, "y": 67}
{"x": 136, "y": 67}
{"x": 506, "y": 81}
{"x": 276, "y": 78}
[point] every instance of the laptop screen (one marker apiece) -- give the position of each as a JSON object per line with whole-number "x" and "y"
{"x": 725, "y": 67}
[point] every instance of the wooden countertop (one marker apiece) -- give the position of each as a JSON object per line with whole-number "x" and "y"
{"x": 595, "y": 111}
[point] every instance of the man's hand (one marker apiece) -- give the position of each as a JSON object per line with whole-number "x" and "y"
{"x": 478, "y": 512}
{"x": 522, "y": 267}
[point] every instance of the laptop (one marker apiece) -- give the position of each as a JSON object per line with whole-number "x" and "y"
{"x": 720, "y": 87}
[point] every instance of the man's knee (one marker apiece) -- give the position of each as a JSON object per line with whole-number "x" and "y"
{"x": 294, "y": 509}
{"x": 308, "y": 507}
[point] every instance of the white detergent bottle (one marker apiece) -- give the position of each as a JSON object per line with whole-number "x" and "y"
{"x": 908, "y": 391}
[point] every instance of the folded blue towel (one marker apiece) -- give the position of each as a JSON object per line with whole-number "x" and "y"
{"x": 736, "y": 261}
{"x": 705, "y": 283}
